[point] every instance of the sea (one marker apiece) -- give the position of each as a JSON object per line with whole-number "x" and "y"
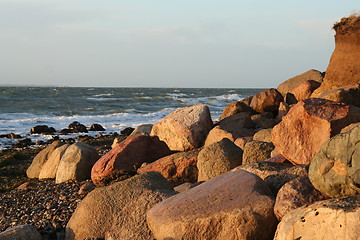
{"x": 22, "y": 108}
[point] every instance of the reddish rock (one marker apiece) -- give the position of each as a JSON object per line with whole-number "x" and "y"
{"x": 263, "y": 135}
{"x": 266, "y": 101}
{"x": 185, "y": 128}
{"x": 296, "y": 193}
{"x": 177, "y": 168}
{"x": 305, "y": 89}
{"x": 293, "y": 82}
{"x": 235, "y": 108}
{"x": 128, "y": 156}
{"x": 232, "y": 127}
{"x": 299, "y": 136}
{"x": 349, "y": 94}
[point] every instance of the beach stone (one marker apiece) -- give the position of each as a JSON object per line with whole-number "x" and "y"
{"x": 118, "y": 210}
{"x": 40, "y": 159}
{"x": 218, "y": 158}
{"x": 42, "y": 129}
{"x": 235, "y": 108}
{"x": 76, "y": 163}
{"x": 305, "y": 89}
{"x": 344, "y": 67}
{"x": 177, "y": 168}
{"x": 300, "y": 134}
{"x": 266, "y": 101}
{"x": 255, "y": 151}
{"x": 50, "y": 167}
{"x": 21, "y": 232}
{"x": 263, "y": 135}
{"x": 328, "y": 219}
{"x": 185, "y": 128}
{"x": 144, "y": 129}
{"x": 235, "y": 205}
{"x": 233, "y": 127}
{"x": 290, "y": 84}
{"x": 294, "y": 194}
{"x": 274, "y": 174}
{"x": 335, "y": 169}
{"x": 77, "y": 127}
{"x": 128, "y": 156}
{"x": 96, "y": 127}
{"x": 264, "y": 120}
{"x": 349, "y": 94}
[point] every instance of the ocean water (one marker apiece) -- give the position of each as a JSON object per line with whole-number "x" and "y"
{"x": 22, "y": 108}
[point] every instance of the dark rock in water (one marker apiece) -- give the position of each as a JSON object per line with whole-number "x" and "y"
{"x": 42, "y": 129}
{"x": 66, "y": 131}
{"x": 127, "y": 131}
{"x": 96, "y": 127}
{"x": 77, "y": 127}
{"x": 10, "y": 135}
{"x": 23, "y": 143}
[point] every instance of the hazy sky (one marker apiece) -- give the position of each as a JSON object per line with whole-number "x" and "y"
{"x": 165, "y": 43}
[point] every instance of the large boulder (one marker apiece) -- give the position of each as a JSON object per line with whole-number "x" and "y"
{"x": 349, "y": 94}
{"x": 235, "y": 205}
{"x": 218, "y": 158}
{"x": 300, "y": 134}
{"x": 290, "y": 84}
{"x": 335, "y": 169}
{"x": 128, "y": 156}
{"x": 233, "y": 127}
{"x": 274, "y": 174}
{"x": 328, "y": 219}
{"x": 76, "y": 163}
{"x": 177, "y": 168}
{"x": 344, "y": 67}
{"x": 185, "y": 128}
{"x": 266, "y": 101}
{"x": 255, "y": 151}
{"x": 118, "y": 211}
{"x": 50, "y": 167}
{"x": 21, "y": 232}
{"x": 305, "y": 89}
{"x": 40, "y": 159}
{"x": 235, "y": 108}
{"x": 294, "y": 194}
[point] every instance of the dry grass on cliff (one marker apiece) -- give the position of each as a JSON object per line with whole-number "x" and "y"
{"x": 348, "y": 24}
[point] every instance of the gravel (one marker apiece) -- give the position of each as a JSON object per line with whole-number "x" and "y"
{"x": 43, "y": 204}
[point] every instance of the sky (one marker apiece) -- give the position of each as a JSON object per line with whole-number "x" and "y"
{"x": 165, "y": 43}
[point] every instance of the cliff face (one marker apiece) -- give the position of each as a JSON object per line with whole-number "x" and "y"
{"x": 344, "y": 66}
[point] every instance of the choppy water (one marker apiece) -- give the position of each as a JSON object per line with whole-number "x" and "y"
{"x": 22, "y": 108}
